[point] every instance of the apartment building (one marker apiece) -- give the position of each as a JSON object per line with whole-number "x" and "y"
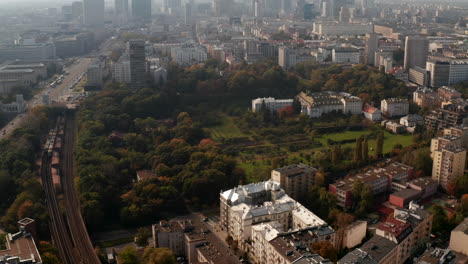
{"x": 293, "y": 247}
{"x": 21, "y": 247}
{"x": 271, "y": 104}
{"x": 448, "y": 165}
{"x": 458, "y": 131}
{"x": 426, "y": 98}
{"x": 296, "y": 180}
{"x": 408, "y": 228}
{"x": 244, "y": 207}
{"x": 289, "y": 57}
{"x": 459, "y": 238}
{"x": 121, "y": 71}
{"x": 380, "y": 179}
{"x": 346, "y": 55}
{"x": 394, "y": 107}
{"x": 328, "y": 28}
{"x": 447, "y": 93}
{"x": 372, "y": 113}
{"x": 188, "y": 55}
{"x": 449, "y": 115}
{"x": 439, "y": 143}
{"x": 377, "y": 250}
{"x": 317, "y": 104}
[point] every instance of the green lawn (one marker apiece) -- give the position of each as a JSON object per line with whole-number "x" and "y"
{"x": 227, "y": 129}
{"x": 390, "y": 140}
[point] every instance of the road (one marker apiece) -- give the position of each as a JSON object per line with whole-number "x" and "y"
{"x": 76, "y": 71}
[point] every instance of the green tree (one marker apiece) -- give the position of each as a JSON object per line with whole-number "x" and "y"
{"x": 129, "y": 255}
{"x": 440, "y": 220}
{"x": 356, "y": 191}
{"x": 379, "y": 144}
{"x": 365, "y": 150}
{"x": 358, "y": 150}
{"x": 297, "y": 106}
{"x": 142, "y": 236}
{"x": 159, "y": 256}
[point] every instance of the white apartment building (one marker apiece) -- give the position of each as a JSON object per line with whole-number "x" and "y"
{"x": 335, "y": 28}
{"x": 394, "y": 107}
{"x": 317, "y": 104}
{"x": 121, "y": 71}
{"x": 458, "y": 131}
{"x": 271, "y": 103}
{"x": 346, "y": 55}
{"x": 459, "y": 238}
{"x": 244, "y": 207}
{"x": 189, "y": 55}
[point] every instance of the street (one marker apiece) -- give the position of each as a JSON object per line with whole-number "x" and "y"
{"x": 76, "y": 72}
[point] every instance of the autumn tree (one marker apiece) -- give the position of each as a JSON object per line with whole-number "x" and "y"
{"x": 358, "y": 150}
{"x": 159, "y": 256}
{"x": 326, "y": 250}
{"x": 129, "y": 255}
{"x": 365, "y": 150}
{"x": 142, "y": 236}
{"x": 379, "y": 144}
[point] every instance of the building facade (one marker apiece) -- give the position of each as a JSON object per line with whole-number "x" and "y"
{"x": 136, "y": 50}
{"x": 448, "y": 165}
{"x": 394, "y": 107}
{"x": 296, "y": 180}
{"x": 270, "y": 103}
{"x": 416, "y": 52}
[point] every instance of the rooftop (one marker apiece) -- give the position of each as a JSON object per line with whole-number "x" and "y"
{"x": 423, "y": 182}
{"x": 295, "y": 167}
{"x": 397, "y": 228}
{"x": 371, "y": 252}
{"x": 462, "y": 227}
{"x": 406, "y": 193}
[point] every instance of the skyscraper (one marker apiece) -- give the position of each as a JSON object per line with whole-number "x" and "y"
{"x": 416, "y": 52}
{"x": 222, "y": 7}
{"x": 121, "y": 7}
{"x": 141, "y": 10}
{"x": 372, "y": 42}
{"x": 93, "y": 11}
{"x": 77, "y": 9}
{"x": 449, "y": 164}
{"x": 136, "y": 50}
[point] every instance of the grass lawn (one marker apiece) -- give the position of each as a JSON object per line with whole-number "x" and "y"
{"x": 227, "y": 129}
{"x": 390, "y": 140}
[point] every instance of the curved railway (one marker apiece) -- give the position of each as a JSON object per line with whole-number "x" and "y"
{"x": 68, "y": 230}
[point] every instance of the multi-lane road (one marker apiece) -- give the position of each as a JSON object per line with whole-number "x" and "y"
{"x": 76, "y": 71}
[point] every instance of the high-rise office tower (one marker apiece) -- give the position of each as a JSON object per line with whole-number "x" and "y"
{"x": 327, "y": 8}
{"x": 222, "y": 7}
{"x": 93, "y": 13}
{"x": 141, "y": 10}
{"x": 416, "y": 52}
{"x": 188, "y": 11}
{"x": 286, "y": 6}
{"x": 77, "y": 9}
{"x": 136, "y": 50}
{"x": 121, "y": 7}
{"x": 345, "y": 15}
{"x": 372, "y": 42}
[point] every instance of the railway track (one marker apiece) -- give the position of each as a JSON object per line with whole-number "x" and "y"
{"x": 68, "y": 230}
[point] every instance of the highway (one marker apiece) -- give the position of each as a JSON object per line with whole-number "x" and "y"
{"x": 76, "y": 71}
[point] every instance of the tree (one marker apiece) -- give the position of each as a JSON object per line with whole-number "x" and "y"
{"x": 142, "y": 236}
{"x": 358, "y": 150}
{"x": 379, "y": 145}
{"x": 129, "y": 255}
{"x": 326, "y": 250}
{"x": 159, "y": 256}
{"x": 440, "y": 220}
{"x": 297, "y": 106}
{"x": 365, "y": 150}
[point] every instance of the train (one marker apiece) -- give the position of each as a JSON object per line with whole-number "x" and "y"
{"x": 52, "y": 150}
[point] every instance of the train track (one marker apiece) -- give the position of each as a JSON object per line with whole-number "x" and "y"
{"x": 75, "y": 220}
{"x": 68, "y": 230}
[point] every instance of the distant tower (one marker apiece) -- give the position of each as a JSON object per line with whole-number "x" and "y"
{"x": 188, "y": 11}
{"x": 141, "y": 10}
{"x": 93, "y": 11}
{"x": 136, "y": 50}
{"x": 372, "y": 42}
{"x": 416, "y": 52}
{"x": 77, "y": 9}
{"x": 121, "y": 7}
